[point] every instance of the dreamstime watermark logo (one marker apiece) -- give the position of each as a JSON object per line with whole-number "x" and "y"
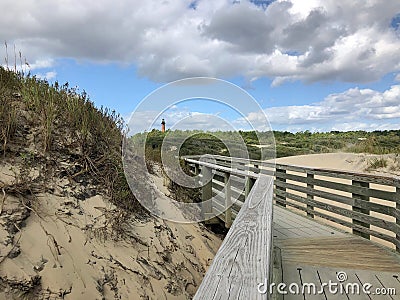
{"x": 207, "y": 94}
{"x": 341, "y": 287}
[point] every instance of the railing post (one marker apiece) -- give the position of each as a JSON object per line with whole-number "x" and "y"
{"x": 206, "y": 191}
{"x": 281, "y": 173}
{"x": 249, "y": 184}
{"x": 228, "y": 200}
{"x": 362, "y": 210}
{"x": 309, "y": 196}
{"x": 258, "y": 169}
{"x": 398, "y": 217}
{"x": 196, "y": 169}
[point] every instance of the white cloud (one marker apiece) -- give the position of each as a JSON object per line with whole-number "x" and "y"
{"x": 351, "y": 110}
{"x": 290, "y": 40}
{"x": 179, "y": 119}
{"x": 48, "y": 75}
{"x": 41, "y": 64}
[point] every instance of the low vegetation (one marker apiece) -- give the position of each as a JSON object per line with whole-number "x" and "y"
{"x": 55, "y": 123}
{"x": 287, "y": 143}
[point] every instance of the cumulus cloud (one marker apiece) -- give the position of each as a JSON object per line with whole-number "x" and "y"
{"x": 352, "y": 41}
{"x": 363, "y": 109}
{"x": 179, "y": 119}
{"x": 48, "y": 75}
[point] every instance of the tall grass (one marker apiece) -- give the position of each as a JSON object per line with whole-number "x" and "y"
{"x": 68, "y": 122}
{"x": 9, "y": 84}
{"x": 376, "y": 163}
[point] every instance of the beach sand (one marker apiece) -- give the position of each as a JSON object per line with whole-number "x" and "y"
{"x": 59, "y": 247}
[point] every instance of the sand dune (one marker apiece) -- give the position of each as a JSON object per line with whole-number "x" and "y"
{"x": 357, "y": 162}
{"x": 61, "y": 247}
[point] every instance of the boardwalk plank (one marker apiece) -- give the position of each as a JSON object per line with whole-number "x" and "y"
{"x": 309, "y": 275}
{"x": 369, "y": 277}
{"x": 291, "y": 275}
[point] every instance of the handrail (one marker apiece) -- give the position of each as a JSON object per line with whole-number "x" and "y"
{"x": 244, "y": 259}
{"x": 223, "y": 169}
{"x": 366, "y": 204}
{"x": 367, "y": 177}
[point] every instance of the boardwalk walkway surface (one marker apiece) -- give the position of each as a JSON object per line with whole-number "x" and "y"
{"x": 307, "y": 251}
{"x": 292, "y": 253}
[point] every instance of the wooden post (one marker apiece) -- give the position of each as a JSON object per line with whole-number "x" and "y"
{"x": 398, "y": 217}
{"x": 228, "y": 200}
{"x": 281, "y": 173}
{"x": 249, "y": 184}
{"x": 258, "y": 169}
{"x": 311, "y": 197}
{"x": 362, "y": 210}
{"x": 206, "y": 191}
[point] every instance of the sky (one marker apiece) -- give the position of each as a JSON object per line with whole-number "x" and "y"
{"x": 315, "y": 65}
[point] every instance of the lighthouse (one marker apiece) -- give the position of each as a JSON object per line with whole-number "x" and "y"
{"x": 163, "y": 125}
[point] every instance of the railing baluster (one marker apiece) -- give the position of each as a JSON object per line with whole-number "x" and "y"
{"x": 398, "y": 217}
{"x": 311, "y": 197}
{"x": 280, "y": 176}
{"x": 248, "y": 185}
{"x": 362, "y": 210}
{"x": 228, "y": 200}
{"x": 206, "y": 191}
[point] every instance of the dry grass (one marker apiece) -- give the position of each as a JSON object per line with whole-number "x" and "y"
{"x": 64, "y": 122}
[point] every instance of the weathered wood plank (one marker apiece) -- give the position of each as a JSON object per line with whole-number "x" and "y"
{"x": 389, "y": 281}
{"x": 248, "y": 186}
{"x": 225, "y": 169}
{"x": 220, "y": 196}
{"x": 365, "y": 177}
{"x": 228, "y": 201}
{"x": 311, "y": 283}
{"x": 354, "y": 189}
{"x": 398, "y": 217}
{"x": 244, "y": 257}
{"x": 291, "y": 275}
{"x": 342, "y": 222}
{"x": 355, "y": 215}
{"x": 330, "y": 274}
{"x": 368, "y": 277}
{"x": 383, "y": 209}
{"x": 364, "y": 211}
{"x": 280, "y": 181}
{"x": 206, "y": 194}
{"x": 310, "y": 196}
{"x": 236, "y": 193}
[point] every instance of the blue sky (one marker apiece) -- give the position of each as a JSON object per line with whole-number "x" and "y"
{"x": 311, "y": 65}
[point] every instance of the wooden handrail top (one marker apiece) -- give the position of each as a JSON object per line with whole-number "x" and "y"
{"x": 224, "y": 169}
{"x": 352, "y": 175}
{"x": 245, "y": 256}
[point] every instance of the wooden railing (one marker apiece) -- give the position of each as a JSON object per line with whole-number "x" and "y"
{"x": 229, "y": 188}
{"x": 245, "y": 257}
{"x": 368, "y": 205}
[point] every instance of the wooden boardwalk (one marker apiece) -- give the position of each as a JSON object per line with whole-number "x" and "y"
{"x": 307, "y": 251}
{"x": 281, "y": 237}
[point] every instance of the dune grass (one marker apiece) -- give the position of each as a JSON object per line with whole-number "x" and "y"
{"x": 64, "y": 121}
